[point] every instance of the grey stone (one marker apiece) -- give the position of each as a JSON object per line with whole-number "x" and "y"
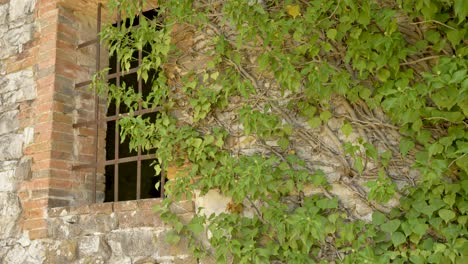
{"x": 133, "y": 242}
{"x": 63, "y": 252}
{"x": 3, "y": 14}
{"x": 167, "y": 249}
{"x": 10, "y": 210}
{"x": 23, "y": 171}
{"x": 36, "y": 252}
{"x": 28, "y": 134}
{"x": 7, "y": 165}
{"x": 17, "y": 255}
{"x": 7, "y": 181}
{"x": 92, "y": 224}
{"x": 20, "y": 8}
{"x": 20, "y": 86}
{"x": 120, "y": 260}
{"x": 11, "y": 146}
{"x": 9, "y": 122}
{"x": 93, "y": 246}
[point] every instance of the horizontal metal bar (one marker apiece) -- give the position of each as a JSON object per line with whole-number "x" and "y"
{"x": 84, "y": 166}
{"x": 110, "y": 76}
{"x": 129, "y": 159}
{"x": 114, "y": 75}
{"x": 87, "y": 43}
{"x": 81, "y": 84}
{"x": 138, "y": 112}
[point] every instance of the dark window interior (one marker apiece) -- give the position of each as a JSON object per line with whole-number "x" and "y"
{"x": 127, "y": 171}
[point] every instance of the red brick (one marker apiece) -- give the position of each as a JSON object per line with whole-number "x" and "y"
{"x": 35, "y": 213}
{"x": 60, "y": 184}
{"x": 60, "y": 164}
{"x": 35, "y": 204}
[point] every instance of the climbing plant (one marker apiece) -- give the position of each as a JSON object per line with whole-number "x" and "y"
{"x": 286, "y": 72}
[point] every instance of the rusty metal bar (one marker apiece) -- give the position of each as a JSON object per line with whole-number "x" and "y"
{"x": 82, "y": 84}
{"x": 142, "y": 112}
{"x": 163, "y": 181}
{"x": 113, "y": 75}
{"x": 129, "y": 159}
{"x": 89, "y": 42}
{"x": 116, "y": 136}
{"x": 96, "y": 102}
{"x": 115, "y": 117}
{"x": 110, "y": 76}
{"x": 140, "y": 91}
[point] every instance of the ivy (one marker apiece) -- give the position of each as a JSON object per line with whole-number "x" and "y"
{"x": 279, "y": 66}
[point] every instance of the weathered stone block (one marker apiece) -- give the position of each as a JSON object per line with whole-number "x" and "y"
{"x": 20, "y": 8}
{"x": 135, "y": 242}
{"x": 92, "y": 224}
{"x": 9, "y": 122}
{"x": 7, "y": 181}
{"x": 167, "y": 249}
{"x": 212, "y": 202}
{"x": 10, "y": 210}
{"x": 94, "y": 246}
{"x": 182, "y": 207}
{"x": 23, "y": 171}
{"x": 125, "y": 206}
{"x": 20, "y": 85}
{"x": 65, "y": 252}
{"x": 11, "y": 146}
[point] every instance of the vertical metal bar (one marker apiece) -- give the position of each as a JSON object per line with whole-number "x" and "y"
{"x": 163, "y": 181}
{"x": 96, "y": 102}
{"x": 116, "y": 136}
{"x": 140, "y": 91}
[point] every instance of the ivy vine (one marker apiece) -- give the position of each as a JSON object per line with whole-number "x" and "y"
{"x": 279, "y": 65}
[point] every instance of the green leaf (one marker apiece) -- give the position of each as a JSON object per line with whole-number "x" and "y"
{"x": 196, "y": 228}
{"x": 331, "y": 33}
{"x": 172, "y": 237}
{"x": 455, "y": 36}
{"x": 293, "y": 10}
{"x": 283, "y": 143}
{"x": 197, "y": 142}
{"x": 461, "y": 9}
{"x": 327, "y": 203}
{"x": 314, "y": 122}
{"x": 391, "y": 226}
{"x": 447, "y": 215}
{"x": 358, "y": 164}
{"x": 319, "y": 178}
{"x": 406, "y": 144}
{"x": 378, "y": 218}
{"x": 398, "y": 238}
{"x": 325, "y": 115}
{"x": 383, "y": 75}
{"x": 347, "y": 129}
{"x": 157, "y": 168}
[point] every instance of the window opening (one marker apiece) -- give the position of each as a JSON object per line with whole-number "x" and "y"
{"x": 129, "y": 175}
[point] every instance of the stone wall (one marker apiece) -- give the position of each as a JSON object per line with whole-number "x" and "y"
{"x": 118, "y": 233}
{"x": 39, "y": 65}
{"x": 17, "y": 92}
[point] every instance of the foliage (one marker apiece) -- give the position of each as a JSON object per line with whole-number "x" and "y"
{"x": 408, "y": 58}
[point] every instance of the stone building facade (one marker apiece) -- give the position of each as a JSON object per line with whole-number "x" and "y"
{"x": 48, "y": 212}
